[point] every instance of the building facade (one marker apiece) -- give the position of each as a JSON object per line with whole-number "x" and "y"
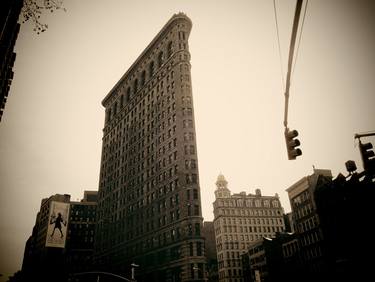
{"x": 41, "y": 262}
{"x": 149, "y": 208}
{"x": 272, "y": 259}
{"x": 9, "y": 14}
{"x": 81, "y": 233}
{"x": 307, "y": 222}
{"x": 208, "y": 232}
{"x": 239, "y": 220}
{"x": 345, "y": 211}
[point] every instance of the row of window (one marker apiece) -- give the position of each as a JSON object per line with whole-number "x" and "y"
{"x": 247, "y": 203}
{"x": 137, "y": 83}
{"x": 248, "y": 229}
{"x": 252, "y": 221}
{"x": 249, "y": 237}
{"x": 230, "y": 273}
{"x": 248, "y": 212}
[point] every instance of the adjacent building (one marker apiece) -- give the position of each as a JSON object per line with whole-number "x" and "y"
{"x": 345, "y": 210}
{"x": 41, "y": 262}
{"x": 149, "y": 206}
{"x": 81, "y": 233}
{"x": 273, "y": 259}
{"x": 239, "y": 220}
{"x": 56, "y": 250}
{"x": 9, "y": 14}
{"x": 307, "y": 222}
{"x": 208, "y": 232}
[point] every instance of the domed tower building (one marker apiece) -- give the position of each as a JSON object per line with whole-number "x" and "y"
{"x": 239, "y": 220}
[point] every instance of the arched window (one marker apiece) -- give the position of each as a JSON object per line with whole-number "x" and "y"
{"x": 152, "y": 68}
{"x": 160, "y": 58}
{"x": 170, "y": 49}
{"x": 128, "y": 93}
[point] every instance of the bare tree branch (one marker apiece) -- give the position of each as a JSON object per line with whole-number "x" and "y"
{"x": 33, "y": 10}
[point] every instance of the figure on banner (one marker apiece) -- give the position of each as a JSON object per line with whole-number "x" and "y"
{"x": 57, "y": 221}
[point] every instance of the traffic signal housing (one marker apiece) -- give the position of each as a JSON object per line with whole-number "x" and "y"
{"x": 367, "y": 156}
{"x": 292, "y": 144}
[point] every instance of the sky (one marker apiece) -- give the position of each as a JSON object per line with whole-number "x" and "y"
{"x": 51, "y": 130}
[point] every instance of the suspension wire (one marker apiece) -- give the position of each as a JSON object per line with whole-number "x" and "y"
{"x": 299, "y": 38}
{"x": 278, "y": 41}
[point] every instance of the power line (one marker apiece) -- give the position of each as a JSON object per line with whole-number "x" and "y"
{"x": 299, "y": 38}
{"x": 278, "y": 41}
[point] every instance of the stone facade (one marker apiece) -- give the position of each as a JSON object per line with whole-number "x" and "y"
{"x": 149, "y": 209}
{"x": 239, "y": 220}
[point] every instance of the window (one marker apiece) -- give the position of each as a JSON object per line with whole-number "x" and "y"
{"x": 135, "y": 86}
{"x": 192, "y": 149}
{"x": 143, "y": 78}
{"x": 170, "y": 49}
{"x": 115, "y": 109}
{"x": 190, "y": 228}
{"x": 197, "y": 229}
{"x": 151, "y": 68}
{"x": 199, "y": 248}
{"x": 160, "y": 59}
{"x": 109, "y": 115}
{"x": 128, "y": 94}
{"x": 196, "y": 210}
{"x": 195, "y": 191}
{"x": 121, "y": 101}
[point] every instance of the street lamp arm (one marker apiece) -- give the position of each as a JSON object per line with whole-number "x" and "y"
{"x": 102, "y": 272}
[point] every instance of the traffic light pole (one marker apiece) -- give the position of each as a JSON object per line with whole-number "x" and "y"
{"x": 291, "y": 143}
{"x": 290, "y": 60}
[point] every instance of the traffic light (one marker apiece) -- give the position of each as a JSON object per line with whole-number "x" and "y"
{"x": 292, "y": 143}
{"x": 367, "y": 155}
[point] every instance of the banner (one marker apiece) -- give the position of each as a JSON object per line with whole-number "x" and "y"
{"x": 57, "y": 224}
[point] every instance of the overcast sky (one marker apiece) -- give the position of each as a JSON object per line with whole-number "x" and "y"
{"x": 50, "y": 134}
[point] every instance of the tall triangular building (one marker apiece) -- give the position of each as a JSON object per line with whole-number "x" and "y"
{"x": 149, "y": 209}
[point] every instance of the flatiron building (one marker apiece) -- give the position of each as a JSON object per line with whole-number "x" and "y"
{"x": 149, "y": 208}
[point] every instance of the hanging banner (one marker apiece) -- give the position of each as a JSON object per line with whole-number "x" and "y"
{"x": 57, "y": 224}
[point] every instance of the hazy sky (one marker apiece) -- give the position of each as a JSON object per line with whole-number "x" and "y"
{"x": 50, "y": 134}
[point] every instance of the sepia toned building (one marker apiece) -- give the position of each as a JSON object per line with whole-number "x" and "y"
{"x": 81, "y": 233}
{"x": 307, "y": 222}
{"x": 273, "y": 259}
{"x": 9, "y": 14}
{"x": 40, "y": 261}
{"x": 149, "y": 206}
{"x": 208, "y": 232}
{"x": 239, "y": 220}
